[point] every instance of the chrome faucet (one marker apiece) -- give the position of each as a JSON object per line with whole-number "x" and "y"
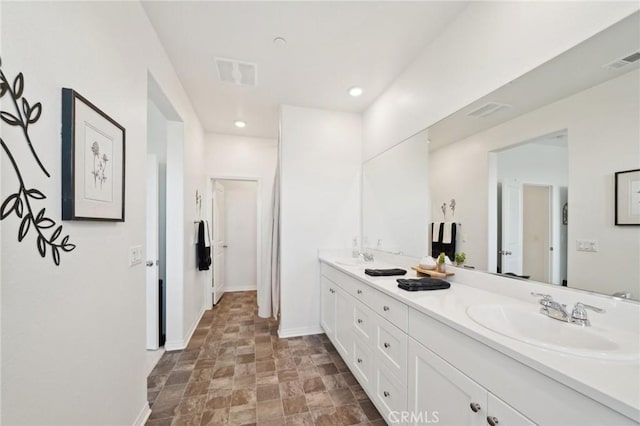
{"x": 366, "y": 257}
{"x": 558, "y": 311}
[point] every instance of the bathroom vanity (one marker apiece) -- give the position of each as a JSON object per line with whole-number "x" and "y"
{"x": 481, "y": 352}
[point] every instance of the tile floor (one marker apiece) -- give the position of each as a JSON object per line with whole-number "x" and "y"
{"x": 236, "y": 371}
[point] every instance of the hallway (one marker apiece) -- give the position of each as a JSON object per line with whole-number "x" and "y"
{"x": 237, "y": 371}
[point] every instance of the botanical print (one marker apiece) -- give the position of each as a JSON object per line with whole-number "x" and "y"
{"x": 634, "y": 198}
{"x": 98, "y": 176}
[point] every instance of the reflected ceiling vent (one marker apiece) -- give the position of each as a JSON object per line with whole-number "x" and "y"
{"x": 488, "y": 109}
{"x": 623, "y": 62}
{"x": 237, "y": 72}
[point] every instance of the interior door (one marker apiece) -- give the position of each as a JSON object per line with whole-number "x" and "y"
{"x": 218, "y": 241}
{"x": 152, "y": 253}
{"x": 511, "y": 251}
{"x": 536, "y": 233}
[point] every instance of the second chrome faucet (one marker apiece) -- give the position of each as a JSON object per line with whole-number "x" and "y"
{"x": 559, "y": 312}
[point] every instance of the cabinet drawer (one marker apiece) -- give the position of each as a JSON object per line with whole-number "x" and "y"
{"x": 363, "y": 322}
{"x": 349, "y": 284}
{"x": 389, "y": 308}
{"x": 391, "y": 348}
{"x": 362, "y": 362}
{"x": 390, "y": 395}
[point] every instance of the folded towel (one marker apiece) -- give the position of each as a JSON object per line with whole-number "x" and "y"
{"x": 435, "y": 231}
{"x": 446, "y": 233}
{"x": 384, "y": 272}
{"x": 422, "y": 284}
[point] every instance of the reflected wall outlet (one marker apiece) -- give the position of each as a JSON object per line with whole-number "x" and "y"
{"x": 587, "y": 245}
{"x": 135, "y": 255}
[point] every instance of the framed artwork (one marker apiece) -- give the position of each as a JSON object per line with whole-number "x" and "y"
{"x": 93, "y": 162}
{"x": 627, "y": 192}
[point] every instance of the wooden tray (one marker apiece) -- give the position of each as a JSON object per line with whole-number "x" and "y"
{"x": 432, "y": 272}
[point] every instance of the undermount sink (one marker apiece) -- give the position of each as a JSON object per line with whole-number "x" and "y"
{"x": 526, "y": 324}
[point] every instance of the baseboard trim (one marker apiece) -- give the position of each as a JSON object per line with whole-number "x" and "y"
{"x": 178, "y": 345}
{"x": 238, "y": 289}
{"x": 300, "y": 331}
{"x": 143, "y": 416}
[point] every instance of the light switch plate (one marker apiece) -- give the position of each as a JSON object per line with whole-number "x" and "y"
{"x": 135, "y": 255}
{"x": 587, "y": 245}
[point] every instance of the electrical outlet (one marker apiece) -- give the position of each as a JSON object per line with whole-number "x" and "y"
{"x": 587, "y": 245}
{"x": 135, "y": 255}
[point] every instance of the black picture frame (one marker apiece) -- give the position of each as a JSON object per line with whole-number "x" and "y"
{"x": 91, "y": 139}
{"x": 627, "y": 198}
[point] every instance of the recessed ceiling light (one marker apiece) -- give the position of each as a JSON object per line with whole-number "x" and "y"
{"x": 279, "y": 41}
{"x": 355, "y": 91}
{"x": 240, "y": 124}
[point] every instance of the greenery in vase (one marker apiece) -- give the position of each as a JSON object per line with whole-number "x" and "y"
{"x": 460, "y": 258}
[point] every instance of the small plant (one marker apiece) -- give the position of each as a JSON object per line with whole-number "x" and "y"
{"x": 460, "y": 258}
{"x": 441, "y": 258}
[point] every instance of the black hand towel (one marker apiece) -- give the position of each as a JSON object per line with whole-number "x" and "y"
{"x": 384, "y": 272}
{"x": 422, "y": 284}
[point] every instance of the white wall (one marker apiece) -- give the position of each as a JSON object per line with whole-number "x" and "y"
{"x": 603, "y": 134}
{"x": 321, "y": 159}
{"x": 240, "y": 235}
{"x": 488, "y": 45}
{"x": 236, "y": 156}
{"x": 74, "y": 335}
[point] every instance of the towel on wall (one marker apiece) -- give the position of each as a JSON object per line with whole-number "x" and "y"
{"x": 203, "y": 247}
{"x": 444, "y": 239}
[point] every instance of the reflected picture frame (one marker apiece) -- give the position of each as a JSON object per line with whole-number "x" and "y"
{"x": 627, "y": 198}
{"x": 93, "y": 162}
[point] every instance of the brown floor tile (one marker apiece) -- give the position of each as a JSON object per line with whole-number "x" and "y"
{"x": 243, "y": 397}
{"x": 318, "y": 400}
{"x": 326, "y": 417}
{"x": 351, "y": 414}
{"x": 236, "y": 371}
{"x": 268, "y": 392}
{"x": 269, "y": 409}
{"x": 342, "y": 397}
{"x": 313, "y": 385}
{"x": 303, "y": 419}
{"x": 287, "y": 375}
{"x": 294, "y": 405}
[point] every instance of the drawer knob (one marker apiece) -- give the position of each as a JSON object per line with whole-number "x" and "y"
{"x": 475, "y": 407}
{"x": 386, "y": 308}
{"x": 359, "y": 360}
{"x": 386, "y": 345}
{"x": 359, "y": 321}
{"x": 359, "y": 291}
{"x": 386, "y": 394}
{"x": 493, "y": 421}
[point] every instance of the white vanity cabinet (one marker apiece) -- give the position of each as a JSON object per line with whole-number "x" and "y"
{"x": 437, "y": 390}
{"x": 418, "y": 369}
{"x": 328, "y": 307}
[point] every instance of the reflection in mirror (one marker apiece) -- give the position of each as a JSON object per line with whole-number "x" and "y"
{"x": 583, "y": 105}
{"x": 531, "y": 193}
{"x": 395, "y": 198}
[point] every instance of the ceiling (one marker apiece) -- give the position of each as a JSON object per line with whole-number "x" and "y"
{"x": 571, "y": 72}
{"x": 331, "y": 46}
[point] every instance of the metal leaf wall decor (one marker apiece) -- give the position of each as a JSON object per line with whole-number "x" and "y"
{"x": 22, "y": 203}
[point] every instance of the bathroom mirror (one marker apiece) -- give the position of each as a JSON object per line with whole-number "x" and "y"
{"x": 554, "y": 137}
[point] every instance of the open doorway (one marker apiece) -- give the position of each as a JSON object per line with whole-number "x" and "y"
{"x": 163, "y": 265}
{"x": 234, "y": 215}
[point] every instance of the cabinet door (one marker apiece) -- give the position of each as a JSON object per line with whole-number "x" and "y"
{"x": 502, "y": 414}
{"x": 328, "y": 307}
{"x": 441, "y": 393}
{"x": 344, "y": 314}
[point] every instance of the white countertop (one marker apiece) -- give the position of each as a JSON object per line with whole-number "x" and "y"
{"x": 615, "y": 384}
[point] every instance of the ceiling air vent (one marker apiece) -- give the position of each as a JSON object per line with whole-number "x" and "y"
{"x": 488, "y": 109}
{"x": 623, "y": 62}
{"x": 237, "y": 72}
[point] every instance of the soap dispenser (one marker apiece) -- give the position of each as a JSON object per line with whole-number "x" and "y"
{"x": 354, "y": 250}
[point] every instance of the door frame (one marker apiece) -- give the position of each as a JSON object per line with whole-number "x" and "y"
{"x": 208, "y": 299}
